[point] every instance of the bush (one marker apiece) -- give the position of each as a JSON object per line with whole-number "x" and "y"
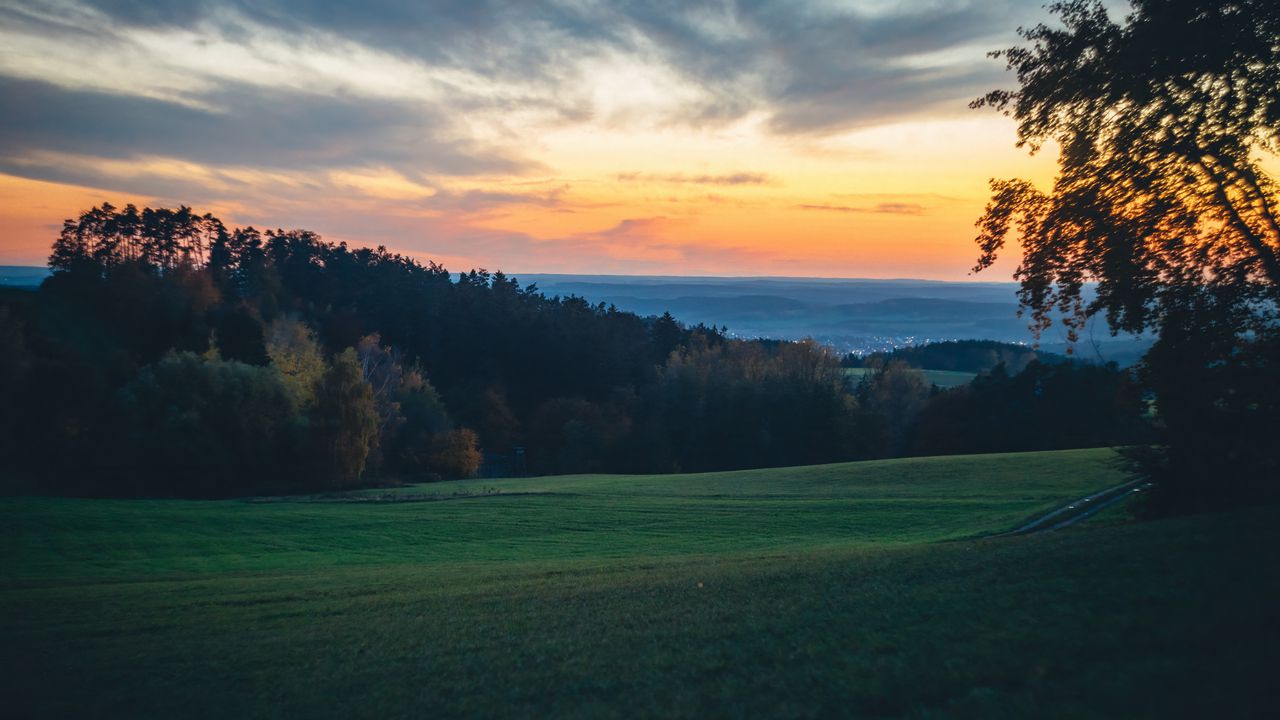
{"x": 187, "y": 426}
{"x": 456, "y": 454}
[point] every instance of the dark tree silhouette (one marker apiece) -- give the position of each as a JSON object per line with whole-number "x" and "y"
{"x": 1043, "y": 407}
{"x": 1160, "y": 122}
{"x": 239, "y": 336}
{"x": 359, "y": 366}
{"x": 1161, "y": 196}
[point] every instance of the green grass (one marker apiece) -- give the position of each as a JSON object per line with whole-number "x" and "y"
{"x": 942, "y": 378}
{"x": 590, "y": 517}
{"x": 799, "y": 592}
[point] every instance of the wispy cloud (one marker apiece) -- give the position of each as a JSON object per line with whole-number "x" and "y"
{"x": 736, "y": 178}
{"x": 428, "y": 125}
{"x": 476, "y": 201}
{"x": 457, "y": 88}
{"x": 246, "y": 126}
{"x": 888, "y": 208}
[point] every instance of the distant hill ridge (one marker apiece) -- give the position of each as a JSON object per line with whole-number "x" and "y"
{"x": 974, "y": 356}
{"x": 860, "y": 315}
{"x": 25, "y": 276}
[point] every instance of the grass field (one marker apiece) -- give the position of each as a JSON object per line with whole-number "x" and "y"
{"x": 832, "y": 590}
{"x": 942, "y": 378}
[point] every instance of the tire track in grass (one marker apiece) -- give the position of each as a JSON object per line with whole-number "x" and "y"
{"x": 1077, "y": 510}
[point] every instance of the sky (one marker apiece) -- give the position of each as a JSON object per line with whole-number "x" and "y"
{"x": 822, "y": 138}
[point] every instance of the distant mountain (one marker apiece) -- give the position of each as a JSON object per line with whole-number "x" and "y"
{"x": 852, "y": 315}
{"x": 22, "y": 276}
{"x": 822, "y": 291}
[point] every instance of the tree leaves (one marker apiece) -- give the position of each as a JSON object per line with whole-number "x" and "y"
{"x": 1160, "y": 122}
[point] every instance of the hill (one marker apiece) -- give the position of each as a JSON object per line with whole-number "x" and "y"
{"x": 800, "y": 591}
{"x": 854, "y": 314}
{"x": 966, "y": 356}
{"x": 172, "y": 356}
{"x": 22, "y": 276}
{"x": 851, "y": 314}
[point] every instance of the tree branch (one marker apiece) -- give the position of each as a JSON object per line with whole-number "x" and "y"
{"x": 1264, "y": 253}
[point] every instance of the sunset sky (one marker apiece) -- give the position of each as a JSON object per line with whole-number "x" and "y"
{"x": 721, "y": 138}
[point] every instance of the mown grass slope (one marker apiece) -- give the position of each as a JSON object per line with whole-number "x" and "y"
{"x": 603, "y": 598}
{"x": 592, "y": 517}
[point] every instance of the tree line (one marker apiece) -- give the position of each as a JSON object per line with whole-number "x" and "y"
{"x": 976, "y": 356}
{"x": 171, "y": 355}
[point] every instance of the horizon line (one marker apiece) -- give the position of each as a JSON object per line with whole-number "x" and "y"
{"x": 518, "y": 275}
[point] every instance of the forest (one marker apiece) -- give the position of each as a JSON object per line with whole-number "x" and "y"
{"x": 171, "y": 355}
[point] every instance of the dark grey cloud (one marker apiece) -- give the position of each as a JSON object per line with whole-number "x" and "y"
{"x": 814, "y": 68}
{"x": 243, "y": 126}
{"x": 811, "y": 69}
{"x": 820, "y": 71}
{"x": 524, "y": 39}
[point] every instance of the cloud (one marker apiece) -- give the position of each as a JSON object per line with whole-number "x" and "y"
{"x": 478, "y": 201}
{"x": 820, "y": 68}
{"x": 431, "y": 114}
{"x": 635, "y": 228}
{"x": 631, "y": 245}
{"x": 245, "y": 126}
{"x": 888, "y": 208}
{"x": 900, "y": 208}
{"x": 457, "y": 88}
{"x": 737, "y": 178}
{"x": 813, "y": 68}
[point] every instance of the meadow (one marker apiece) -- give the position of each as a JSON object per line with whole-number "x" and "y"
{"x": 861, "y": 589}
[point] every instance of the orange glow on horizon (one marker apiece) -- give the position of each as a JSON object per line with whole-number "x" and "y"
{"x": 906, "y": 210}
{"x": 814, "y": 139}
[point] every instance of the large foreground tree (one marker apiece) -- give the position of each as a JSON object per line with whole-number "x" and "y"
{"x": 1167, "y": 123}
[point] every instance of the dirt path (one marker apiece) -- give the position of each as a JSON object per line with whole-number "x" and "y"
{"x": 1077, "y": 510}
